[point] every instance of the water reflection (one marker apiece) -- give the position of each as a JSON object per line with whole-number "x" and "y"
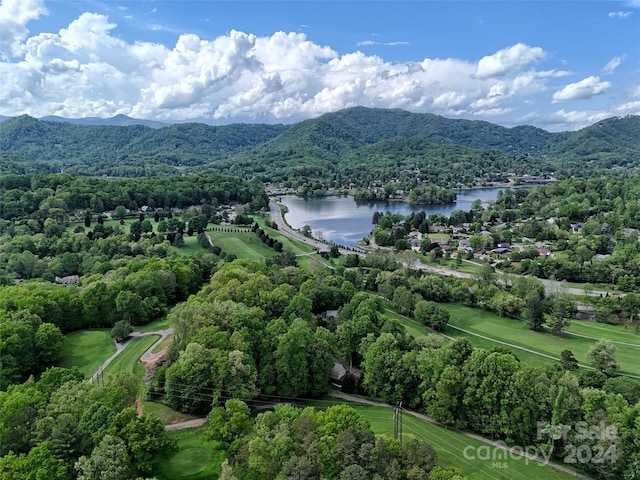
{"x": 342, "y": 220}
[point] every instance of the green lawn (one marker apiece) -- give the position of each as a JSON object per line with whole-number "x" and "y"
{"x": 617, "y": 333}
{"x": 517, "y": 332}
{"x": 242, "y": 245}
{"x": 419, "y": 331}
{"x": 465, "y": 267}
{"x": 451, "y": 447}
{"x": 162, "y": 345}
{"x": 190, "y": 247}
{"x": 288, "y": 244}
{"x": 166, "y": 414}
{"x": 414, "y": 329}
{"x": 87, "y": 349}
{"x": 196, "y": 459}
{"x": 158, "y": 324}
{"x": 129, "y": 359}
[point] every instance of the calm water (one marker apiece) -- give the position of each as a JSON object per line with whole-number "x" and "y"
{"x": 342, "y": 220}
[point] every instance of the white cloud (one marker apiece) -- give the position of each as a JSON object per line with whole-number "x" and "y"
{"x": 612, "y": 64}
{"x": 579, "y": 119}
{"x": 86, "y": 70}
{"x": 366, "y": 43}
{"x": 14, "y": 16}
{"x": 585, "y": 88}
{"x": 619, "y": 14}
{"x": 508, "y": 60}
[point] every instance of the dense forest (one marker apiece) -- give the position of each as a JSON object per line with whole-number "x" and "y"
{"x": 80, "y": 251}
{"x": 332, "y": 151}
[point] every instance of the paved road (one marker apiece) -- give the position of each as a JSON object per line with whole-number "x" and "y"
{"x": 276, "y": 216}
{"x": 550, "y": 285}
{"x": 146, "y": 357}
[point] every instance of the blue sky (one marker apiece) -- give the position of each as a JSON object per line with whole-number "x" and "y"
{"x": 556, "y": 65}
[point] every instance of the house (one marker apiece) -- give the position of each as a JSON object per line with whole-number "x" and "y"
{"x": 340, "y": 371}
{"x": 544, "y": 252}
{"x": 68, "y": 280}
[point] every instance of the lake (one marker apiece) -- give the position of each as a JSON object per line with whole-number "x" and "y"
{"x": 342, "y": 220}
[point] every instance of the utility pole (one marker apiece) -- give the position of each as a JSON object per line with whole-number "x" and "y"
{"x": 397, "y": 422}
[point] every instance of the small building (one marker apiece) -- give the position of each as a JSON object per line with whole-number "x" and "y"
{"x": 544, "y": 252}
{"x": 68, "y": 280}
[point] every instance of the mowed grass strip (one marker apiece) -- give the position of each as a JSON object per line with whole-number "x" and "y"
{"x": 166, "y": 414}
{"x": 242, "y": 245}
{"x": 616, "y": 333}
{"x": 129, "y": 358}
{"x": 288, "y": 243}
{"x": 421, "y": 332}
{"x": 452, "y": 446}
{"x": 196, "y": 459}
{"x": 87, "y": 349}
{"x": 517, "y": 332}
{"x": 454, "y": 449}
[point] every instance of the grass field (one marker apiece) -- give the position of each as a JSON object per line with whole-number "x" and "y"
{"x": 287, "y": 243}
{"x": 87, "y": 349}
{"x": 242, "y": 245}
{"x": 517, "y": 332}
{"x": 166, "y": 414}
{"x": 616, "y": 333}
{"x": 465, "y": 267}
{"x": 165, "y": 343}
{"x": 196, "y": 459}
{"x": 190, "y": 247}
{"x": 451, "y": 447}
{"x": 159, "y": 324}
{"x": 129, "y": 359}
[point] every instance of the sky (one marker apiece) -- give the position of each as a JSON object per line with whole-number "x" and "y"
{"x": 555, "y": 65}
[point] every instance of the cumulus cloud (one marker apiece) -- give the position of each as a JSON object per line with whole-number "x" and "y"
{"x": 14, "y": 16}
{"x": 508, "y": 60}
{"x": 585, "y": 88}
{"x": 612, "y": 64}
{"x": 87, "y": 70}
{"x": 579, "y": 119}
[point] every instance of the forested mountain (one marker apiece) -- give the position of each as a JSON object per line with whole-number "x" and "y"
{"x": 130, "y": 151}
{"x": 330, "y": 148}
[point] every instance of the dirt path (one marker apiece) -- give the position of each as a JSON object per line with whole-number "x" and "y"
{"x": 196, "y": 422}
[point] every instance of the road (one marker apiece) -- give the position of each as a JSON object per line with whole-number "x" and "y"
{"x": 551, "y": 286}
{"x": 276, "y": 216}
{"x": 146, "y": 357}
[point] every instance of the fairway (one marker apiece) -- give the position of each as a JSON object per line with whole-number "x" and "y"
{"x": 419, "y": 331}
{"x": 242, "y": 245}
{"x": 517, "y": 332}
{"x": 616, "y": 333}
{"x": 288, "y": 243}
{"x": 452, "y": 445}
{"x": 129, "y": 359}
{"x": 196, "y": 459}
{"x": 87, "y": 349}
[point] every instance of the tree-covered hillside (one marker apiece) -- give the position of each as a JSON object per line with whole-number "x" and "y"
{"x": 328, "y": 149}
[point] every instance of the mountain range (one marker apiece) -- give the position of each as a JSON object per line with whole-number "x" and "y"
{"x": 321, "y": 149}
